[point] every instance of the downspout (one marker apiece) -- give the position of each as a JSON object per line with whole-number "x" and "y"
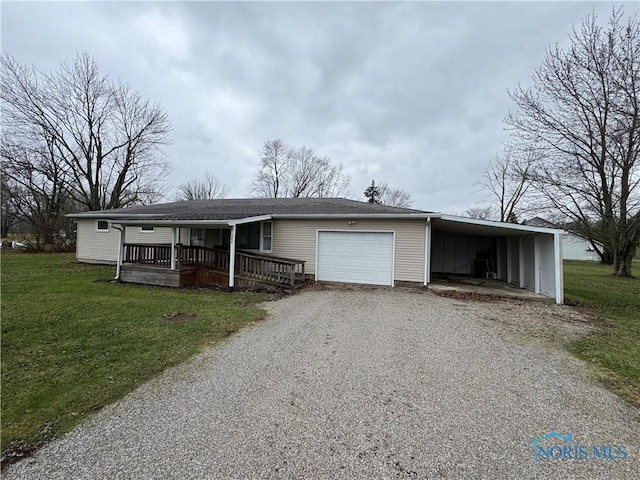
{"x": 427, "y": 252}
{"x": 120, "y": 248}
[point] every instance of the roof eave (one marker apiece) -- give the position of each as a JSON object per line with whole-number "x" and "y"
{"x": 504, "y": 225}
{"x": 323, "y": 216}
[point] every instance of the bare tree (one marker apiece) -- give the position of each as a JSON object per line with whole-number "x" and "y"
{"x": 206, "y": 188}
{"x": 36, "y": 189}
{"x": 383, "y": 194}
{"x": 273, "y": 167}
{"x": 507, "y": 179}
{"x": 394, "y": 197}
{"x": 105, "y": 137}
{"x": 9, "y": 215}
{"x": 482, "y": 212}
{"x": 582, "y": 116}
{"x": 293, "y": 172}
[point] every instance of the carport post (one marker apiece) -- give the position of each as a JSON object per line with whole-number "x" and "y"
{"x": 521, "y": 261}
{"x": 427, "y": 253}
{"x": 509, "y": 275}
{"x": 536, "y": 263}
{"x": 557, "y": 253}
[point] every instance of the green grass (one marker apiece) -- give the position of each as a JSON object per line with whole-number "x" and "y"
{"x": 73, "y": 342}
{"x": 615, "y": 350}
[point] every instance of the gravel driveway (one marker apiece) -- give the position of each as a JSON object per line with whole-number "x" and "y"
{"x": 357, "y": 383}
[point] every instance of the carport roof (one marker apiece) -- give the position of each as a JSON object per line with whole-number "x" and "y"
{"x": 235, "y": 209}
{"x": 486, "y": 228}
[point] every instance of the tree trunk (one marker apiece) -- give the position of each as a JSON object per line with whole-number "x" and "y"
{"x": 624, "y": 261}
{"x": 606, "y": 258}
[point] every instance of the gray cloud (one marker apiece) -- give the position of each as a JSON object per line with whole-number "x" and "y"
{"x": 409, "y": 93}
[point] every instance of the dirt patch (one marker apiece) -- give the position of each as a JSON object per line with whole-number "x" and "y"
{"x": 179, "y": 317}
{"x": 481, "y": 297}
{"x": 560, "y": 324}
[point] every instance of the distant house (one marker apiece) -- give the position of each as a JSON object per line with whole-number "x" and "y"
{"x": 574, "y": 246}
{"x": 286, "y": 241}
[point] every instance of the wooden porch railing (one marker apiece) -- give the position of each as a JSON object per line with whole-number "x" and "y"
{"x": 249, "y": 265}
{"x": 270, "y": 269}
{"x": 147, "y": 254}
{"x": 214, "y": 258}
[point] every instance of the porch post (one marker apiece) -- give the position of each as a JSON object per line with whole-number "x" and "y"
{"x": 232, "y": 256}
{"x": 173, "y": 248}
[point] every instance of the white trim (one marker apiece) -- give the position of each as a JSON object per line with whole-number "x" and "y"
{"x": 141, "y": 229}
{"x": 393, "y": 253}
{"x": 169, "y": 223}
{"x": 232, "y": 256}
{"x": 363, "y": 216}
{"x": 239, "y": 221}
{"x": 102, "y": 230}
{"x": 262, "y": 249}
{"x": 427, "y": 253}
{"x": 174, "y": 250}
{"x": 503, "y": 225}
{"x": 140, "y": 219}
{"x": 557, "y": 252}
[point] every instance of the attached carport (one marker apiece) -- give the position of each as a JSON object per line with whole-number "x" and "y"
{"x": 524, "y": 256}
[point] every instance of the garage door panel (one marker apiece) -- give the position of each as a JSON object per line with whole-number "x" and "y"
{"x": 355, "y": 257}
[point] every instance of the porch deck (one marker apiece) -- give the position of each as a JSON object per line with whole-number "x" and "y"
{"x": 194, "y": 265}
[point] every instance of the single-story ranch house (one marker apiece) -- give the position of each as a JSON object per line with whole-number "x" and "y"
{"x": 285, "y": 241}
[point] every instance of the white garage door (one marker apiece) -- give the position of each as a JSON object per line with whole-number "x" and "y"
{"x": 355, "y": 257}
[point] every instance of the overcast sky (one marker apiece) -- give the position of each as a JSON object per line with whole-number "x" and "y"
{"x": 413, "y": 94}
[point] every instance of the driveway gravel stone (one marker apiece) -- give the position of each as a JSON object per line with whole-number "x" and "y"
{"x": 339, "y": 383}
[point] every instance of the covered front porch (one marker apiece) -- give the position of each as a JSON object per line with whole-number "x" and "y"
{"x": 222, "y": 264}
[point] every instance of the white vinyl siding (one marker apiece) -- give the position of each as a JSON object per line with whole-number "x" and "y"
{"x": 94, "y": 246}
{"x": 297, "y": 239}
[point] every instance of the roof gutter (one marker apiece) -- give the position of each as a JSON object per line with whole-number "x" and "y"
{"x": 169, "y": 223}
{"x": 503, "y": 225}
{"x": 328, "y": 216}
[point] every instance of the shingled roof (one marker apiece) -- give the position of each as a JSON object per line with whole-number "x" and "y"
{"x": 233, "y": 209}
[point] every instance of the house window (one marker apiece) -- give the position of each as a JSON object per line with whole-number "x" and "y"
{"x": 147, "y": 229}
{"x": 266, "y": 236}
{"x": 248, "y": 236}
{"x": 102, "y": 226}
{"x": 254, "y": 236}
{"x": 196, "y": 237}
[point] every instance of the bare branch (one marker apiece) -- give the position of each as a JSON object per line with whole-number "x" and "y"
{"x": 206, "y": 188}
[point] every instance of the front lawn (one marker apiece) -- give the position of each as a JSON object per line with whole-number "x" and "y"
{"x": 615, "y": 351}
{"x": 72, "y": 342}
